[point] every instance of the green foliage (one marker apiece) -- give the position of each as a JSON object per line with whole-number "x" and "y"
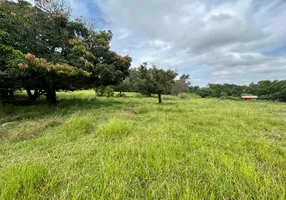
{"x": 265, "y": 90}
{"x": 100, "y": 91}
{"x": 46, "y": 31}
{"x": 182, "y": 85}
{"x": 109, "y": 92}
{"x": 194, "y": 89}
{"x": 123, "y": 87}
{"x": 9, "y": 71}
{"x": 153, "y": 81}
{"x": 223, "y": 94}
{"x": 205, "y": 92}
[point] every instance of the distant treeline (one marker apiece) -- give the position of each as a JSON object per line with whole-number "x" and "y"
{"x": 265, "y": 90}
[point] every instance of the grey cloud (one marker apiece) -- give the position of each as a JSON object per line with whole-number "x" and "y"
{"x": 235, "y": 63}
{"x": 182, "y": 22}
{"x": 225, "y": 38}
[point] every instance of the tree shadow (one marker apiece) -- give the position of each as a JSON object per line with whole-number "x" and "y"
{"x": 65, "y": 107}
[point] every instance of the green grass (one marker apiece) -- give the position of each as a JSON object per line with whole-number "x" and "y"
{"x": 133, "y": 148}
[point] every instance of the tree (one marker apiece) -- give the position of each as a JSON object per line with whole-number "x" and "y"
{"x": 266, "y": 90}
{"x": 46, "y": 31}
{"x": 182, "y": 85}
{"x": 194, "y": 89}
{"x": 205, "y": 92}
{"x": 155, "y": 81}
{"x": 122, "y": 87}
{"x": 10, "y": 78}
{"x": 281, "y": 92}
{"x": 163, "y": 81}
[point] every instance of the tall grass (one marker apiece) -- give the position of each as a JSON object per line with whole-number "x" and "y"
{"x": 133, "y": 148}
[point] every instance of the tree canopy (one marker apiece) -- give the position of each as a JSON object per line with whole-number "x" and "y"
{"x": 152, "y": 80}
{"x": 181, "y": 85}
{"x": 48, "y": 51}
{"x": 265, "y": 90}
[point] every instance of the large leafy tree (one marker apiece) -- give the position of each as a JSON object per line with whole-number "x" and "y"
{"x": 46, "y": 31}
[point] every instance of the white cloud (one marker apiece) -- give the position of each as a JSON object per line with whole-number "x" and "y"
{"x": 211, "y": 40}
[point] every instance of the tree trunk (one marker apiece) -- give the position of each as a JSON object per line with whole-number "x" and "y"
{"x": 51, "y": 94}
{"x": 160, "y": 97}
{"x": 29, "y": 93}
{"x": 11, "y": 94}
{"x": 34, "y": 96}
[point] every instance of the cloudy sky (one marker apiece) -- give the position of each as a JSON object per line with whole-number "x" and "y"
{"x": 215, "y": 41}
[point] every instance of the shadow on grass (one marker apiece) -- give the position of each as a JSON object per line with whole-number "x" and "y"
{"x": 11, "y": 113}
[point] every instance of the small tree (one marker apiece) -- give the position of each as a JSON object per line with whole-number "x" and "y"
{"x": 163, "y": 81}
{"x": 122, "y": 87}
{"x": 155, "y": 81}
{"x": 182, "y": 85}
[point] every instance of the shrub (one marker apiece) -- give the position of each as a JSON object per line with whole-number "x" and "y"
{"x": 115, "y": 127}
{"x": 109, "y": 92}
{"x": 100, "y": 91}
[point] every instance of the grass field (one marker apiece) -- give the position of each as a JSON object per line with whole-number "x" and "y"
{"x": 134, "y": 148}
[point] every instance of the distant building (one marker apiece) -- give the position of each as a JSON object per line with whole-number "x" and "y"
{"x": 249, "y": 97}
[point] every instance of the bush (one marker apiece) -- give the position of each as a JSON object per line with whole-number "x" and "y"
{"x": 100, "y": 91}
{"x": 109, "y": 92}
